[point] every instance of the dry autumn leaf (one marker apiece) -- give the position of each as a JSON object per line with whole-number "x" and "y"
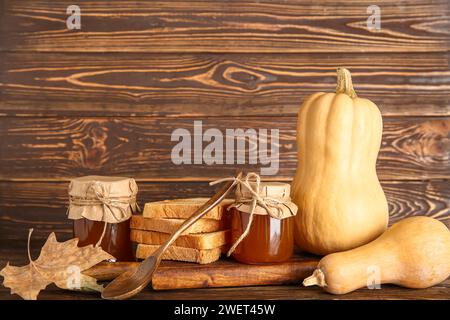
{"x": 60, "y": 263}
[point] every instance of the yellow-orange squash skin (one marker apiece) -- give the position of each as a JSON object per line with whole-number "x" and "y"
{"x": 413, "y": 253}
{"x": 336, "y": 188}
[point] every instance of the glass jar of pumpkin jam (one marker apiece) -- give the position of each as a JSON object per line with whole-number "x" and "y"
{"x": 270, "y": 237}
{"x": 101, "y": 208}
{"x": 116, "y": 240}
{"x": 269, "y": 240}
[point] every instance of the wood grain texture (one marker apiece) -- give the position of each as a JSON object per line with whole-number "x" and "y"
{"x": 71, "y": 101}
{"x": 225, "y": 272}
{"x": 17, "y": 255}
{"x": 42, "y": 205}
{"x": 215, "y": 84}
{"x": 292, "y": 292}
{"x": 229, "y": 273}
{"x": 58, "y": 148}
{"x": 234, "y": 26}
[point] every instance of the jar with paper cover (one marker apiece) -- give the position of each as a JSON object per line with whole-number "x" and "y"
{"x": 262, "y": 226}
{"x": 101, "y": 208}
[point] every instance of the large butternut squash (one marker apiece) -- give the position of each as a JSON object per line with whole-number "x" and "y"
{"x": 413, "y": 253}
{"x": 341, "y": 204}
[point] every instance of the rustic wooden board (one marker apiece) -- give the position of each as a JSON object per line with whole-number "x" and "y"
{"x": 215, "y": 85}
{"x": 58, "y": 148}
{"x": 238, "y": 26}
{"x": 42, "y": 205}
{"x": 172, "y": 275}
{"x": 228, "y": 273}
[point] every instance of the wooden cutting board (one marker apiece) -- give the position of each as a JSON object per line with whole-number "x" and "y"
{"x": 222, "y": 273}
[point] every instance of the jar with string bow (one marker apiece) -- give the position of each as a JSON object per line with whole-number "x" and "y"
{"x": 262, "y": 225}
{"x": 101, "y": 208}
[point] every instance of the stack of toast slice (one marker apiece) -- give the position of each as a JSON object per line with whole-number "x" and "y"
{"x": 202, "y": 243}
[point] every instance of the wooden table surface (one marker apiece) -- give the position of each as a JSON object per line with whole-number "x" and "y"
{"x": 17, "y": 255}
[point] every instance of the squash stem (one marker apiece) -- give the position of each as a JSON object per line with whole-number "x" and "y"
{"x": 316, "y": 279}
{"x": 344, "y": 83}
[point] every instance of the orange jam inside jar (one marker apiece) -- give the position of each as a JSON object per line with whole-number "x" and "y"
{"x": 116, "y": 240}
{"x": 270, "y": 237}
{"x": 269, "y": 240}
{"x": 101, "y": 208}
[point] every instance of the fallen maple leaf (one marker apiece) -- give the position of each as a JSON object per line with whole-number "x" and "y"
{"x": 60, "y": 263}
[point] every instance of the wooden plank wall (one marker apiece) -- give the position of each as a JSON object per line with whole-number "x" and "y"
{"x": 105, "y": 99}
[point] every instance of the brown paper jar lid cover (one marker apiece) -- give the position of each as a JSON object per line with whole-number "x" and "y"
{"x": 102, "y": 198}
{"x": 275, "y": 196}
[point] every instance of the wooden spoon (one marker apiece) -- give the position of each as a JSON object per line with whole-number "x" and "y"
{"x": 133, "y": 281}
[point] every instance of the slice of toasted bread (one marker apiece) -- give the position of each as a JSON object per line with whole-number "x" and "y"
{"x": 171, "y": 225}
{"x": 209, "y": 240}
{"x": 183, "y": 208}
{"x": 201, "y": 256}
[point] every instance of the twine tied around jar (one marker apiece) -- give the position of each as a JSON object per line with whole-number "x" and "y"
{"x": 275, "y": 207}
{"x": 96, "y": 194}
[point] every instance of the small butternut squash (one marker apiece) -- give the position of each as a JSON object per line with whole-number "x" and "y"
{"x": 413, "y": 253}
{"x": 341, "y": 204}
